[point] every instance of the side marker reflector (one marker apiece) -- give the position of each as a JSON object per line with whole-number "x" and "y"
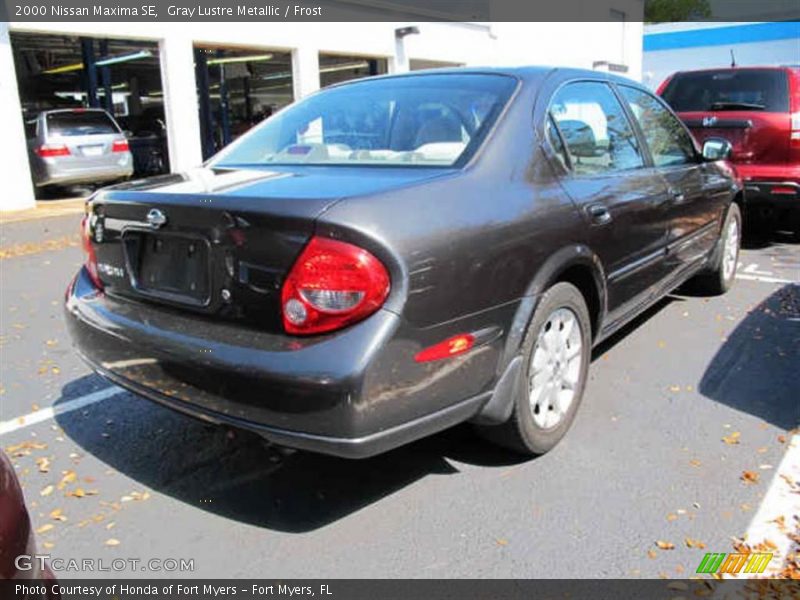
{"x": 453, "y": 346}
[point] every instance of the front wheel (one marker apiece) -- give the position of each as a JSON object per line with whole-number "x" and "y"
{"x": 556, "y": 354}
{"x": 719, "y": 276}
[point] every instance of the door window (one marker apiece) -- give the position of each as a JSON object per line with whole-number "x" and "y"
{"x": 595, "y": 129}
{"x": 668, "y": 140}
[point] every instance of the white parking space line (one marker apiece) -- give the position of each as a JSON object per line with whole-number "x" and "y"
{"x": 779, "y": 506}
{"x": 59, "y": 409}
{"x": 762, "y": 279}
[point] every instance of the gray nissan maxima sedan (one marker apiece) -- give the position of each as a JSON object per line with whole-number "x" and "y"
{"x": 393, "y": 256}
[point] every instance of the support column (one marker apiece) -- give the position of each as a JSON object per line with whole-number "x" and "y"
{"x": 305, "y": 71}
{"x": 17, "y": 191}
{"x": 399, "y": 62}
{"x": 89, "y": 72}
{"x": 180, "y": 103}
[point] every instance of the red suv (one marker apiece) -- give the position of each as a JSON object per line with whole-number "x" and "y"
{"x": 757, "y": 109}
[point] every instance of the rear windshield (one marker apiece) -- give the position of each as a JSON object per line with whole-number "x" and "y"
{"x": 424, "y": 120}
{"x": 80, "y": 123}
{"x": 741, "y": 89}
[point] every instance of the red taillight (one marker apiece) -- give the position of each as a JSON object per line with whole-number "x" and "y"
{"x": 332, "y": 284}
{"x": 784, "y": 190}
{"x": 450, "y": 347}
{"x": 120, "y": 146}
{"x": 794, "y": 134}
{"x": 51, "y": 150}
{"x": 91, "y": 258}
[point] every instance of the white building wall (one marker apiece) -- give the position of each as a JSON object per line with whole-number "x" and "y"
{"x": 17, "y": 190}
{"x": 472, "y": 44}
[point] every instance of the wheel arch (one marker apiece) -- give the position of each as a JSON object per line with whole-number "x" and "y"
{"x": 575, "y": 264}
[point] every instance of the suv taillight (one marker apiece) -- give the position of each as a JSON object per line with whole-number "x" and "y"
{"x": 51, "y": 150}
{"x": 794, "y": 136}
{"x": 91, "y": 258}
{"x": 120, "y": 146}
{"x": 331, "y": 285}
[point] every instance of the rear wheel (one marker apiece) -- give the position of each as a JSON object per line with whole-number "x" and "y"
{"x": 719, "y": 277}
{"x": 556, "y": 353}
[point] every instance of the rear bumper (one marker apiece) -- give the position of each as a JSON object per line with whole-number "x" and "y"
{"x": 776, "y": 194}
{"x": 53, "y": 175}
{"x": 352, "y": 394}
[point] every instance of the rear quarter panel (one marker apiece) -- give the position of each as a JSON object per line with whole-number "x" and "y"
{"x": 462, "y": 252}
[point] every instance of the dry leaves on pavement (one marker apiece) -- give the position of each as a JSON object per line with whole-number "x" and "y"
{"x": 750, "y": 477}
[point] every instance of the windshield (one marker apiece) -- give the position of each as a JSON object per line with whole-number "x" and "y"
{"x": 80, "y": 123}
{"x": 729, "y": 89}
{"x": 419, "y": 120}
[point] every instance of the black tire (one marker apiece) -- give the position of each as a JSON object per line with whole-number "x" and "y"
{"x": 521, "y": 432}
{"x": 714, "y": 281}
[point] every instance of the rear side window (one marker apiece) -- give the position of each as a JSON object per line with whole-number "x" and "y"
{"x": 669, "y": 142}
{"x": 80, "y": 123}
{"x": 729, "y": 89}
{"x": 594, "y": 127}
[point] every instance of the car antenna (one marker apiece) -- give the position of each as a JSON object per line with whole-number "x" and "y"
{"x": 733, "y": 59}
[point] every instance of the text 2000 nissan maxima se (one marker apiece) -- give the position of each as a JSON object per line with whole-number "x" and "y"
{"x": 393, "y": 256}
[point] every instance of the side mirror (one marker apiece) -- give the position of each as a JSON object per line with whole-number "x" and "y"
{"x": 717, "y": 149}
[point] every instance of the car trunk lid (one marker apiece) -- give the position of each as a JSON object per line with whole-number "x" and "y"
{"x": 220, "y": 241}
{"x": 750, "y": 107}
{"x": 756, "y": 137}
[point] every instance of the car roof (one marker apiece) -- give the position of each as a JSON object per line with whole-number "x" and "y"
{"x": 528, "y": 73}
{"x": 742, "y": 68}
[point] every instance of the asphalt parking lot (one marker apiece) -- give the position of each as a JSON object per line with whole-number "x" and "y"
{"x": 685, "y": 439}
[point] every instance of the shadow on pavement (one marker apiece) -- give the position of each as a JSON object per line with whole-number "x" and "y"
{"x": 237, "y": 475}
{"x": 761, "y": 235}
{"x": 757, "y": 369}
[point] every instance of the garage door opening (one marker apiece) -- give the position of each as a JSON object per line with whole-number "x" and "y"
{"x": 336, "y": 68}
{"x": 420, "y": 64}
{"x": 79, "y": 77}
{"x": 237, "y": 89}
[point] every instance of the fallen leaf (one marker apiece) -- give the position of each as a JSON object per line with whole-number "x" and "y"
{"x": 749, "y": 477}
{"x": 695, "y": 463}
{"x": 732, "y": 438}
{"x": 46, "y": 491}
{"x": 690, "y": 543}
{"x": 45, "y": 528}
{"x": 48, "y": 545}
{"x": 58, "y": 515}
{"x": 652, "y": 554}
{"x": 68, "y": 477}
{"x": 77, "y": 493}
{"x": 112, "y": 542}
{"x": 674, "y": 388}
{"x": 665, "y": 545}
{"x": 781, "y": 439}
{"x": 672, "y": 517}
{"x": 501, "y": 542}
{"x": 44, "y": 464}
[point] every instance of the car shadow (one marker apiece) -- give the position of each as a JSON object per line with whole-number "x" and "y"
{"x": 757, "y": 369}
{"x": 758, "y": 236}
{"x": 238, "y": 475}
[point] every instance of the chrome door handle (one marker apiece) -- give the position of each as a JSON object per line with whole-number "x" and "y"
{"x": 599, "y": 214}
{"x": 677, "y": 195}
